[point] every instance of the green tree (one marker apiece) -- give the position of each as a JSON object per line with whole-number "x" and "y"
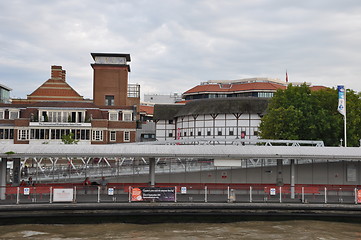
{"x": 69, "y": 139}
{"x": 297, "y": 113}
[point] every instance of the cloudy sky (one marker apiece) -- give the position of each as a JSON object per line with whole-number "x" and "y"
{"x": 176, "y": 44}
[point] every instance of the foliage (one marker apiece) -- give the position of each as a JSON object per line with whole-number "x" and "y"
{"x": 298, "y": 113}
{"x": 69, "y": 139}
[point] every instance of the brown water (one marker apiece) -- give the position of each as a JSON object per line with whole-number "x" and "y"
{"x": 239, "y": 230}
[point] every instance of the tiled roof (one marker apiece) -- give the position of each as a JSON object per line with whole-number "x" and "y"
{"x": 149, "y": 110}
{"x": 317, "y": 88}
{"x": 235, "y": 87}
{"x": 55, "y": 90}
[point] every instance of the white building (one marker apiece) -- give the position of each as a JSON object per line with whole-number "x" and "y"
{"x": 228, "y": 118}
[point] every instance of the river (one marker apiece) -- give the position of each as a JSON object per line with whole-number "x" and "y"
{"x": 237, "y": 230}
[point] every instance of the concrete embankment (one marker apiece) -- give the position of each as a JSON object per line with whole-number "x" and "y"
{"x": 173, "y": 212}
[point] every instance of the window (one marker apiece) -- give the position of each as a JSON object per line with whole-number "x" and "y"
{"x": 13, "y": 114}
{"x": 113, "y": 116}
{"x": 170, "y": 134}
{"x": 219, "y": 133}
{"x": 109, "y": 100}
{"x": 231, "y": 133}
{"x": 208, "y": 133}
{"x": 170, "y": 121}
{"x": 199, "y": 133}
{"x": 191, "y": 134}
{"x": 23, "y": 134}
{"x": 185, "y": 134}
{"x": 126, "y": 136}
{"x": 127, "y": 116}
{"x": 113, "y": 136}
{"x": 1, "y": 114}
{"x": 7, "y": 134}
{"x": 97, "y": 135}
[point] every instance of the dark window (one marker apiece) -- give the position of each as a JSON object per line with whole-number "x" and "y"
{"x": 199, "y": 133}
{"x": 219, "y": 133}
{"x": 191, "y": 133}
{"x": 231, "y": 133}
{"x": 208, "y": 133}
{"x": 109, "y": 100}
{"x": 170, "y": 121}
{"x": 170, "y": 134}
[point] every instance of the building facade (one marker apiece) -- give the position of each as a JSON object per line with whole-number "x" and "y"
{"x": 229, "y": 109}
{"x": 55, "y": 110}
{"x": 230, "y": 118}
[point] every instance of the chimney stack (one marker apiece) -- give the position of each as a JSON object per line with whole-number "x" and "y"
{"x": 63, "y": 75}
{"x": 57, "y": 73}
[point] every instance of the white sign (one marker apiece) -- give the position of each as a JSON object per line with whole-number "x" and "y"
{"x": 63, "y": 195}
{"x": 26, "y": 191}
{"x": 272, "y": 191}
{"x": 110, "y": 191}
{"x": 183, "y": 190}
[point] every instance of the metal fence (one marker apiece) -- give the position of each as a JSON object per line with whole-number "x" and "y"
{"x": 190, "y": 193}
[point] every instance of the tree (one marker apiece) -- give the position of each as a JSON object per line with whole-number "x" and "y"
{"x": 69, "y": 139}
{"x": 298, "y": 113}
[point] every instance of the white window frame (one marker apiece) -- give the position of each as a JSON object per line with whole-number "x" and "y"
{"x": 126, "y": 136}
{"x": 129, "y": 115}
{"x": 97, "y": 135}
{"x": 113, "y": 113}
{"x": 3, "y": 114}
{"x": 13, "y": 111}
{"x": 113, "y": 136}
{"x": 23, "y": 134}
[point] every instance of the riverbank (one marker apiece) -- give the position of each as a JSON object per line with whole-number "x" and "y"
{"x": 144, "y": 213}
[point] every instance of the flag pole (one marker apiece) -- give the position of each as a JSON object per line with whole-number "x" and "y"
{"x": 342, "y": 107}
{"x": 345, "y": 122}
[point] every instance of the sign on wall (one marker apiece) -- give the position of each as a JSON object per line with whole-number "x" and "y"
{"x": 63, "y": 195}
{"x": 161, "y": 194}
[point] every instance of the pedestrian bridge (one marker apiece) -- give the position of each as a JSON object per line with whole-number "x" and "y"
{"x": 223, "y": 152}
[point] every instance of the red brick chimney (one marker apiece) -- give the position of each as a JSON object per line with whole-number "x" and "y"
{"x": 63, "y": 75}
{"x": 57, "y": 73}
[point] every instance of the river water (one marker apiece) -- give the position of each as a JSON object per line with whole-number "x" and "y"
{"x": 237, "y": 230}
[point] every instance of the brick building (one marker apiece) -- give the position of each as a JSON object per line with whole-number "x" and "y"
{"x": 55, "y": 109}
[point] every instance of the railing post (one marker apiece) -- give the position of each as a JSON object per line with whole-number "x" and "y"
{"x": 325, "y": 195}
{"x": 98, "y": 194}
{"x": 250, "y": 194}
{"x": 74, "y": 198}
{"x": 17, "y": 195}
{"x": 129, "y": 194}
{"x": 355, "y": 195}
{"x": 303, "y": 194}
{"x": 228, "y": 194}
{"x": 280, "y": 194}
{"x": 51, "y": 195}
{"x": 175, "y": 194}
{"x": 205, "y": 194}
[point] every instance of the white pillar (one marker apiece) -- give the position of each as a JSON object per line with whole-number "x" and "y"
{"x": 3, "y": 165}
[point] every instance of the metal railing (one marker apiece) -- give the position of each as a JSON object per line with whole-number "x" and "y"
{"x": 184, "y": 193}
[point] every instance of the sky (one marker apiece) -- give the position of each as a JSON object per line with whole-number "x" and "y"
{"x": 177, "y": 44}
